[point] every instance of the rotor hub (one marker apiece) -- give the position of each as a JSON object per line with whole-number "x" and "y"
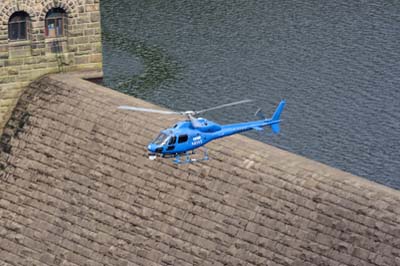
{"x": 191, "y": 113}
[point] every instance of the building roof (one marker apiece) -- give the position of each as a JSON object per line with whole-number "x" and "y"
{"x": 76, "y": 188}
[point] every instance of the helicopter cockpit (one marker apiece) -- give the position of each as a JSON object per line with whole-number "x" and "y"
{"x": 156, "y": 146}
{"x": 161, "y": 139}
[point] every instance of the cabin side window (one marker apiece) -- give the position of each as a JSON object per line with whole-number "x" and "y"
{"x": 182, "y": 138}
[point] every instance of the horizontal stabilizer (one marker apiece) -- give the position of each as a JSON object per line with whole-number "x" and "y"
{"x": 258, "y": 128}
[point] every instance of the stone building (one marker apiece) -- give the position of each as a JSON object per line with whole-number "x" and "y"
{"x": 44, "y": 36}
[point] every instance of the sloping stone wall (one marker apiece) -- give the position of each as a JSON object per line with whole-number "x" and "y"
{"x": 25, "y": 60}
{"x": 77, "y": 188}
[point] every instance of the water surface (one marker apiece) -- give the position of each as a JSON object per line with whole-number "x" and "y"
{"x": 336, "y": 63}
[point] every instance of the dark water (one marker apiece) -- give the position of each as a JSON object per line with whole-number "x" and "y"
{"x": 337, "y": 63}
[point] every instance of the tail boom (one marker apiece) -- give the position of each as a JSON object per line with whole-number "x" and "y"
{"x": 273, "y": 122}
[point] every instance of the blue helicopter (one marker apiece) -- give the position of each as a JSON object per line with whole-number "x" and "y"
{"x": 185, "y": 137}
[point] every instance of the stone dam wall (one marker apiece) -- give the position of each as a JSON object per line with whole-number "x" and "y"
{"x": 76, "y": 188}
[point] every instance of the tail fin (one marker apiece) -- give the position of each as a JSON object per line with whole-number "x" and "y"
{"x": 275, "y": 117}
{"x": 278, "y": 110}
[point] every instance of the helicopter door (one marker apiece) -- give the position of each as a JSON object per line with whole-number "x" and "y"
{"x": 171, "y": 143}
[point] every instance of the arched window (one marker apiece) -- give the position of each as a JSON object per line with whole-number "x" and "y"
{"x": 56, "y": 23}
{"x": 18, "y": 26}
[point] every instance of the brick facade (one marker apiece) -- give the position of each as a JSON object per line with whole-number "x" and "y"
{"x": 21, "y": 61}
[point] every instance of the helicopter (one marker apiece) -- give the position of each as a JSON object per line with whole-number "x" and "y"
{"x": 183, "y": 138}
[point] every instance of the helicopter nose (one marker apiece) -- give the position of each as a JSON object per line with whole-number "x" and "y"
{"x": 151, "y": 147}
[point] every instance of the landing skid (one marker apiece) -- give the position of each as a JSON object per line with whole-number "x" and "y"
{"x": 188, "y": 159}
{"x": 181, "y": 158}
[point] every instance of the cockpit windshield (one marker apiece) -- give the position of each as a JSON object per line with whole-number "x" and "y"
{"x": 161, "y": 139}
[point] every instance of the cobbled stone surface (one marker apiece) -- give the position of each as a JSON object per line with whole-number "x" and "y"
{"x": 76, "y": 188}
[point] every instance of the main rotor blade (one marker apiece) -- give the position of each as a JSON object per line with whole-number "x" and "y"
{"x": 131, "y": 108}
{"x": 222, "y": 106}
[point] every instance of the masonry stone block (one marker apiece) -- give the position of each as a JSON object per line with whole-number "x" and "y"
{"x": 97, "y": 58}
{"x": 94, "y": 17}
{"x": 94, "y": 25}
{"x": 84, "y": 47}
{"x": 92, "y": 7}
{"x": 4, "y": 48}
{"x": 3, "y": 57}
{"x": 12, "y": 72}
{"x": 81, "y": 60}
